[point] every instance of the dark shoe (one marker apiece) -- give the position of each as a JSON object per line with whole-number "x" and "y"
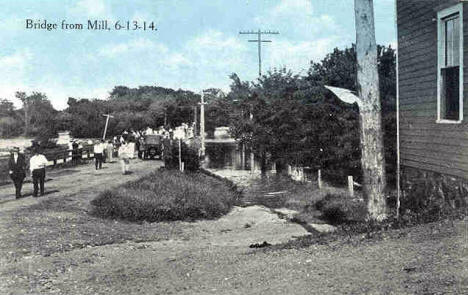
{"x": 35, "y": 196}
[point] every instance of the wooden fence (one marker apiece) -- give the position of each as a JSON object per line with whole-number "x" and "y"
{"x": 306, "y": 174}
{"x": 56, "y": 157}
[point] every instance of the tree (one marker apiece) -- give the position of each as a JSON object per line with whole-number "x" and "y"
{"x": 26, "y": 105}
{"x": 38, "y": 115}
{"x": 339, "y": 69}
{"x": 10, "y": 122}
{"x": 276, "y": 128}
{"x": 373, "y": 161}
{"x": 217, "y": 110}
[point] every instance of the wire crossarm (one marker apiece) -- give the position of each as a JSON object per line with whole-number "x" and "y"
{"x": 259, "y": 40}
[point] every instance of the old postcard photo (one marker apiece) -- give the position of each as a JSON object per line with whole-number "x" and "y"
{"x": 233, "y": 147}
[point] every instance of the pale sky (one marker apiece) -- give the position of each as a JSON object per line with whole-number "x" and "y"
{"x": 197, "y": 44}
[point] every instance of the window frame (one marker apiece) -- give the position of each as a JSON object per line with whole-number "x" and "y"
{"x": 441, "y": 15}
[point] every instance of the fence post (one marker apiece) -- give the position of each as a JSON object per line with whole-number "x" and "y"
{"x": 319, "y": 179}
{"x": 350, "y": 185}
{"x": 183, "y": 167}
{"x": 180, "y": 155}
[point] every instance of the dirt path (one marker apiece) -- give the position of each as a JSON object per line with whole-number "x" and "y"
{"x": 52, "y": 245}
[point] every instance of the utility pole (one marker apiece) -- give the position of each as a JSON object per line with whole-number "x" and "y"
{"x": 259, "y": 42}
{"x": 202, "y": 124}
{"x": 107, "y": 123}
{"x": 372, "y": 154}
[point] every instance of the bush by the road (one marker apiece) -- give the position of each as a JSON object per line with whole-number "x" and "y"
{"x": 340, "y": 208}
{"x": 166, "y": 196}
{"x": 189, "y": 153}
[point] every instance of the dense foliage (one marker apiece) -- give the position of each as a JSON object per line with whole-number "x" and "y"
{"x": 189, "y": 155}
{"x": 295, "y": 120}
{"x": 37, "y": 118}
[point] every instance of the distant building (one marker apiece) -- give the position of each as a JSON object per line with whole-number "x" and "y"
{"x": 433, "y": 92}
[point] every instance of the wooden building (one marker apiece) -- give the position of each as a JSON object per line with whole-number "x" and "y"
{"x": 433, "y": 98}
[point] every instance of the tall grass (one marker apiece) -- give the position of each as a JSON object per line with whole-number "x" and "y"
{"x": 165, "y": 196}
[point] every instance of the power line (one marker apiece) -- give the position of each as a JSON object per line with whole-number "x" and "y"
{"x": 259, "y": 41}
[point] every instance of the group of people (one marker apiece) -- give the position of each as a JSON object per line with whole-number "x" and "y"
{"x": 104, "y": 151}
{"x": 123, "y": 147}
{"x": 17, "y": 171}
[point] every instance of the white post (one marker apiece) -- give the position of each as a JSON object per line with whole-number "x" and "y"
{"x": 319, "y": 179}
{"x": 243, "y": 156}
{"x": 180, "y": 156}
{"x": 105, "y": 128}
{"x": 202, "y": 124}
{"x": 350, "y": 186}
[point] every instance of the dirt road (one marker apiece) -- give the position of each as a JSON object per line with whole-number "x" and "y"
{"x": 52, "y": 245}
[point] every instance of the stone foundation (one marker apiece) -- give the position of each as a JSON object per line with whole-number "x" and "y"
{"x": 422, "y": 188}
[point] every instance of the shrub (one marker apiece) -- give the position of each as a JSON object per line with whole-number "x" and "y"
{"x": 340, "y": 208}
{"x": 189, "y": 153}
{"x": 165, "y": 196}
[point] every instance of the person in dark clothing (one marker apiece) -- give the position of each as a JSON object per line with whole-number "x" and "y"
{"x": 17, "y": 170}
{"x": 75, "y": 153}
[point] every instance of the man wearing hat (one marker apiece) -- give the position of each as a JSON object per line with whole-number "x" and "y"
{"x": 17, "y": 169}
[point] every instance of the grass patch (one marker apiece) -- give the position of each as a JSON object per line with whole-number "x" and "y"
{"x": 166, "y": 196}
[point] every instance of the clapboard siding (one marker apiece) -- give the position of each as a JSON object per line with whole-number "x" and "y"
{"x": 455, "y": 150}
{"x": 428, "y": 106}
{"x": 426, "y": 144}
{"x": 411, "y": 79}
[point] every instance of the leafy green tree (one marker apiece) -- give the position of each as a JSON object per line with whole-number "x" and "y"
{"x": 38, "y": 114}
{"x": 10, "y": 122}
{"x": 339, "y": 69}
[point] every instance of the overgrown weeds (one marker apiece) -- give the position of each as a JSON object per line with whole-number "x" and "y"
{"x": 167, "y": 196}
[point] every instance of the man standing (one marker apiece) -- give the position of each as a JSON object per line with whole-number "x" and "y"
{"x": 110, "y": 151}
{"x": 37, "y": 165}
{"x": 75, "y": 154}
{"x": 17, "y": 169}
{"x": 98, "y": 157}
{"x": 124, "y": 156}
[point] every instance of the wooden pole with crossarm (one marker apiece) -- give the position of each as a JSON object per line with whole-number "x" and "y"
{"x": 259, "y": 41}
{"x": 107, "y": 123}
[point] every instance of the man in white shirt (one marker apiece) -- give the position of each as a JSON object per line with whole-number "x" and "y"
{"x": 37, "y": 165}
{"x": 98, "y": 156}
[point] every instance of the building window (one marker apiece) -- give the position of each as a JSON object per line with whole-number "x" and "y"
{"x": 450, "y": 65}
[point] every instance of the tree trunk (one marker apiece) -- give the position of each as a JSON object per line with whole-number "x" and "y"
{"x": 372, "y": 159}
{"x": 280, "y": 167}
{"x": 263, "y": 164}
{"x": 26, "y": 118}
